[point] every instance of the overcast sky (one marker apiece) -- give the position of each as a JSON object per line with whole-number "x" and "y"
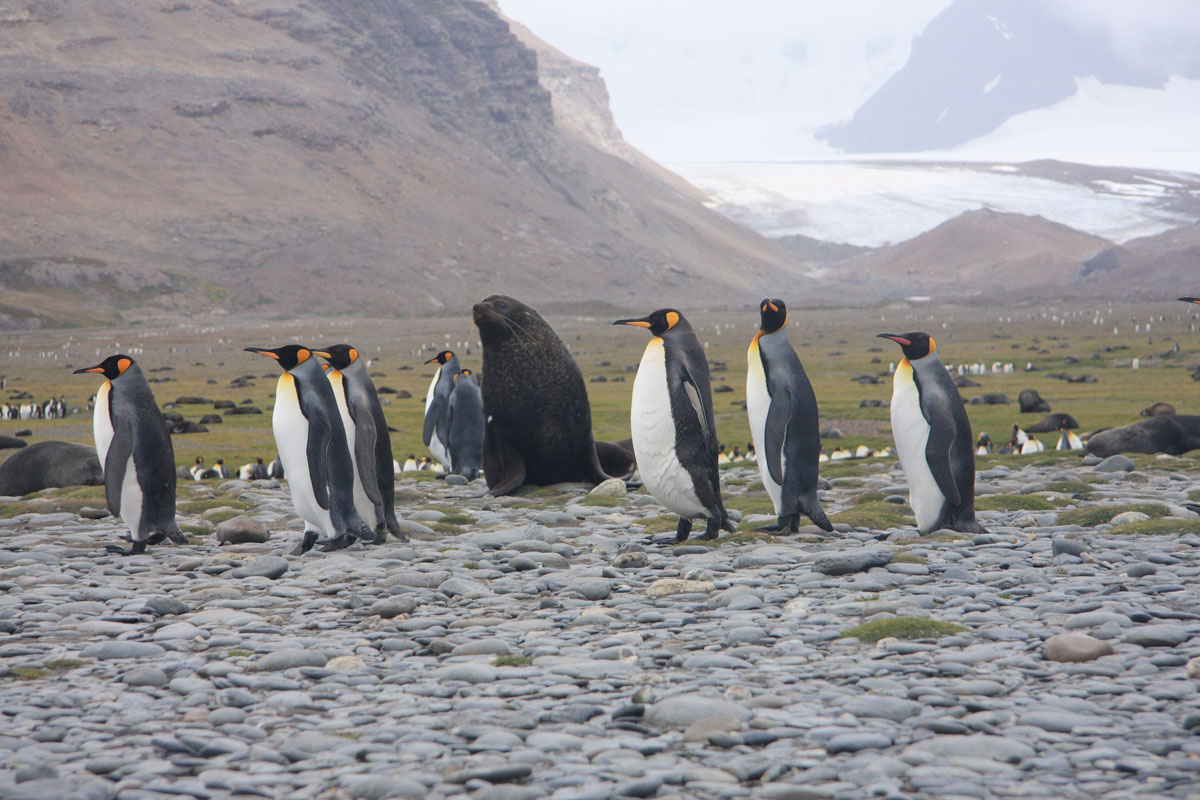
{"x": 715, "y": 80}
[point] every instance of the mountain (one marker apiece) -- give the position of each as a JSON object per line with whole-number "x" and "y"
{"x": 336, "y": 156}
{"x": 982, "y": 62}
{"x": 1163, "y": 265}
{"x": 978, "y": 254}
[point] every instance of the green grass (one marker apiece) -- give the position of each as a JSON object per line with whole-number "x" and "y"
{"x": 751, "y": 504}
{"x": 64, "y": 664}
{"x": 749, "y": 537}
{"x": 909, "y": 558}
{"x": 868, "y": 497}
{"x": 664, "y": 523}
{"x": 512, "y": 661}
{"x": 875, "y": 515}
{"x": 903, "y": 628}
{"x": 866, "y": 598}
{"x": 239, "y": 653}
{"x": 70, "y": 492}
{"x": 1084, "y": 491}
{"x": 1090, "y": 516}
{"x": 601, "y": 500}
{"x": 200, "y": 506}
{"x": 217, "y": 517}
{"x": 446, "y": 528}
{"x": 470, "y": 565}
{"x": 1012, "y": 502}
{"x": 29, "y": 673}
{"x": 1157, "y": 527}
{"x": 51, "y": 667}
{"x": 1194, "y": 495}
{"x": 197, "y": 530}
{"x": 457, "y": 519}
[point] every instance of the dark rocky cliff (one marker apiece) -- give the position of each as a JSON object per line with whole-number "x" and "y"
{"x": 339, "y": 156}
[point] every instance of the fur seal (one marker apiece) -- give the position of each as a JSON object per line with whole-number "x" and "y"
{"x": 1158, "y": 410}
{"x": 1032, "y": 402}
{"x": 1173, "y": 434}
{"x": 46, "y": 465}
{"x": 538, "y": 420}
{"x": 1052, "y": 423}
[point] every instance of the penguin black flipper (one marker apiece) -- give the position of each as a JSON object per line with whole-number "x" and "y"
{"x": 115, "y": 462}
{"x": 939, "y": 448}
{"x": 708, "y": 482}
{"x": 433, "y": 416}
{"x": 778, "y": 417}
{"x": 319, "y": 434}
{"x": 364, "y": 452}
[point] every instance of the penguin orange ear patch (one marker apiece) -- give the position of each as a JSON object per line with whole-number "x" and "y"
{"x": 353, "y": 355}
{"x": 123, "y": 365}
{"x": 672, "y": 319}
{"x": 302, "y": 355}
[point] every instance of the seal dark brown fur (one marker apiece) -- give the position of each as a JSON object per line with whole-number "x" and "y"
{"x": 539, "y": 421}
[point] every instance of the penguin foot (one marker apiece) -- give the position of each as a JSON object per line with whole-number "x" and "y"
{"x": 306, "y": 543}
{"x": 683, "y": 530}
{"x": 136, "y": 550}
{"x": 712, "y": 529}
{"x": 175, "y": 535}
{"x": 336, "y": 543}
{"x": 633, "y": 486}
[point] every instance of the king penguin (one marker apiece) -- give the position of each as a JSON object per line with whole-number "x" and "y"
{"x": 674, "y": 434}
{"x": 437, "y": 404}
{"x": 312, "y": 446}
{"x": 933, "y": 438}
{"x": 367, "y": 437}
{"x": 783, "y": 422}
{"x": 465, "y": 426}
{"x": 136, "y": 455}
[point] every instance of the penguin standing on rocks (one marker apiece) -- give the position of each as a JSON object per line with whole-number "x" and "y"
{"x": 135, "y": 452}
{"x": 783, "y": 422}
{"x": 933, "y": 438}
{"x": 437, "y": 404}
{"x": 312, "y": 446}
{"x": 465, "y": 426}
{"x": 367, "y": 438}
{"x": 674, "y": 434}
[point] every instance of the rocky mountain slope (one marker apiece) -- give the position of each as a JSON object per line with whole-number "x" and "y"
{"x": 334, "y": 157}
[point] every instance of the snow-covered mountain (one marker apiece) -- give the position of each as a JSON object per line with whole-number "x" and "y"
{"x": 981, "y": 63}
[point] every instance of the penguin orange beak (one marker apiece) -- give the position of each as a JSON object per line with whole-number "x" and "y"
{"x": 1191, "y": 300}
{"x": 262, "y": 351}
{"x": 97, "y": 368}
{"x": 640, "y": 323}
{"x": 435, "y": 358}
{"x": 321, "y": 353}
{"x": 900, "y": 340}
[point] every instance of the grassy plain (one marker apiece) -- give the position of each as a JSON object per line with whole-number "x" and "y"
{"x": 836, "y": 345}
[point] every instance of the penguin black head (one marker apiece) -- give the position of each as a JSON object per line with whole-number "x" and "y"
{"x": 914, "y": 345}
{"x": 659, "y": 322}
{"x": 442, "y": 357}
{"x": 289, "y": 356}
{"x": 112, "y": 367}
{"x": 774, "y": 315}
{"x": 339, "y": 356}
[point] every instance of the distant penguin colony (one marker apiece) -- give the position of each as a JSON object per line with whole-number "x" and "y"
{"x": 136, "y": 455}
{"x": 312, "y": 446}
{"x": 671, "y": 417}
{"x": 933, "y": 438}
{"x": 783, "y": 422}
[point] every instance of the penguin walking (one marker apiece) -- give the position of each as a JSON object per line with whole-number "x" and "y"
{"x": 437, "y": 404}
{"x": 465, "y": 426}
{"x": 135, "y": 454}
{"x": 783, "y": 422}
{"x": 933, "y": 438}
{"x": 368, "y": 439}
{"x": 674, "y": 434}
{"x": 312, "y": 447}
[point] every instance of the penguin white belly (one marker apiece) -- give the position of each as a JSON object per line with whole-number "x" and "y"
{"x": 438, "y": 449}
{"x": 362, "y": 503}
{"x": 911, "y": 432}
{"x": 102, "y": 429}
{"x": 653, "y": 429}
{"x": 291, "y": 437}
{"x": 758, "y": 403}
{"x": 131, "y": 501}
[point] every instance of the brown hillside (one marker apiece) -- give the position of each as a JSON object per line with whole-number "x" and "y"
{"x": 979, "y": 253}
{"x": 375, "y": 156}
{"x": 1164, "y": 265}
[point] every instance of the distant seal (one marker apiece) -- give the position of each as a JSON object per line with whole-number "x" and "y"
{"x": 47, "y": 465}
{"x": 538, "y": 426}
{"x": 1052, "y": 423}
{"x": 1032, "y": 402}
{"x": 11, "y": 442}
{"x": 1173, "y": 434}
{"x": 1158, "y": 410}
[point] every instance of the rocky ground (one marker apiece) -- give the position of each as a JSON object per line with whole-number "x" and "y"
{"x": 554, "y": 646}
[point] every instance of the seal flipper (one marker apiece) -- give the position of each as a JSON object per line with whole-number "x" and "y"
{"x": 503, "y": 464}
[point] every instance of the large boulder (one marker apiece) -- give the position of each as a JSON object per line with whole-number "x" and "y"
{"x": 47, "y": 465}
